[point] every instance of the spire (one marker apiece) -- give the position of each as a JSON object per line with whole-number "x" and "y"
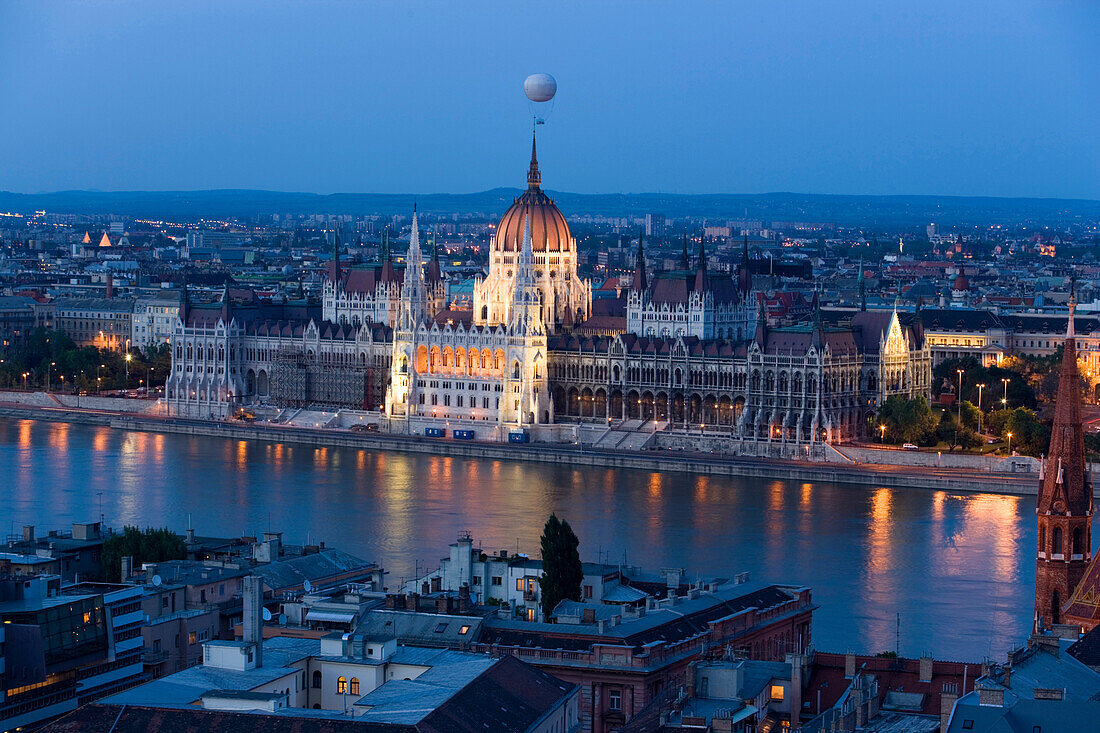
{"x": 863, "y": 287}
{"x": 336, "y": 272}
{"x": 415, "y": 260}
{"x": 701, "y": 284}
{"x": 1072, "y": 308}
{"x": 534, "y": 178}
{"x": 639, "y": 282}
{"x": 1066, "y": 488}
{"x": 685, "y": 261}
{"x": 761, "y": 336}
{"x": 744, "y": 270}
{"x": 819, "y": 328}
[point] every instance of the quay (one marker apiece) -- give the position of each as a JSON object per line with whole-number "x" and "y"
{"x": 660, "y": 460}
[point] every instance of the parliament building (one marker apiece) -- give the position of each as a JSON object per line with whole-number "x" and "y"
{"x": 691, "y": 354}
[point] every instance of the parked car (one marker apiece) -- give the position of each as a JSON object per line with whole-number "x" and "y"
{"x": 909, "y": 446}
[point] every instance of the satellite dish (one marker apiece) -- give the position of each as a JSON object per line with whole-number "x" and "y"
{"x": 267, "y": 615}
{"x": 540, "y": 90}
{"x": 308, "y": 586}
{"x": 157, "y": 580}
{"x": 282, "y": 619}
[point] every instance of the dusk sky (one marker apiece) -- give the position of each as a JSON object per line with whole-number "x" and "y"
{"x": 994, "y": 98}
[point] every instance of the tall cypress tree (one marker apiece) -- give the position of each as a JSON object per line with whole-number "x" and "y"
{"x": 561, "y": 564}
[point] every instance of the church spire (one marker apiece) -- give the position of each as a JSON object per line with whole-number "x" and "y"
{"x": 1064, "y": 505}
{"x": 685, "y": 261}
{"x": 534, "y": 178}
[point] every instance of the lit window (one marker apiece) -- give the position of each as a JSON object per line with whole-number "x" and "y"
{"x": 519, "y": 586}
{"x": 341, "y": 685}
{"x": 464, "y": 630}
{"x": 355, "y": 685}
{"x": 777, "y": 693}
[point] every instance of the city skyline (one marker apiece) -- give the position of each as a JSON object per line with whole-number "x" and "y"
{"x": 853, "y": 100}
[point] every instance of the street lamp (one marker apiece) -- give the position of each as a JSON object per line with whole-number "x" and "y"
{"x": 1004, "y": 402}
{"x": 129, "y": 356}
{"x": 882, "y": 433}
{"x": 980, "y": 386}
{"x": 1009, "y": 443}
{"x": 49, "y": 375}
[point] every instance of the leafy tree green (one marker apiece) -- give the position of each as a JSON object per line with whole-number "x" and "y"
{"x": 47, "y": 356}
{"x": 1020, "y": 390}
{"x": 561, "y": 564}
{"x": 969, "y": 415}
{"x": 908, "y": 420}
{"x": 1029, "y": 436}
{"x": 148, "y": 545}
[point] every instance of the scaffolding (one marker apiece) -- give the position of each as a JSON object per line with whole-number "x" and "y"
{"x": 305, "y": 380}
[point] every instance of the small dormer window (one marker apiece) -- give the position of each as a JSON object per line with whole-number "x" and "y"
{"x": 440, "y": 628}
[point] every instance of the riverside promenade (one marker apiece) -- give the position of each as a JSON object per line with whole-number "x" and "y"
{"x": 141, "y": 415}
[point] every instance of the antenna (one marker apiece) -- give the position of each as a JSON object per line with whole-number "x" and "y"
{"x": 157, "y": 580}
{"x": 307, "y": 586}
{"x": 267, "y": 615}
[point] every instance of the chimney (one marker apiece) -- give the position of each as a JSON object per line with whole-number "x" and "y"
{"x": 849, "y": 666}
{"x": 127, "y": 569}
{"x": 796, "y": 661}
{"x": 412, "y": 601}
{"x": 589, "y": 616}
{"x": 425, "y": 588}
{"x": 463, "y": 598}
{"x": 28, "y": 533}
{"x": 991, "y": 698}
{"x": 947, "y": 704}
{"x": 926, "y": 668}
{"x": 253, "y": 616}
{"x": 391, "y": 600}
{"x": 443, "y": 604}
{"x": 190, "y": 536}
{"x": 110, "y": 286}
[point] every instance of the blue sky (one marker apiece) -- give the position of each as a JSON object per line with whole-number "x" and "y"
{"x": 969, "y": 98}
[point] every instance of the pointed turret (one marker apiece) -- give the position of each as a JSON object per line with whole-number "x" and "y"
{"x": 639, "y": 283}
{"x": 1064, "y": 505}
{"x": 534, "y": 178}
{"x": 819, "y": 328}
{"x": 435, "y": 272}
{"x": 862, "y": 287}
{"x": 1067, "y": 439}
{"x": 744, "y": 270}
{"x": 761, "y": 335}
{"x": 701, "y": 283}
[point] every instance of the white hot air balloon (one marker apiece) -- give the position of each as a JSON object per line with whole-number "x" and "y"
{"x": 540, "y": 90}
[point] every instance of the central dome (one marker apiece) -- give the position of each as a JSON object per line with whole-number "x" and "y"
{"x": 549, "y": 232}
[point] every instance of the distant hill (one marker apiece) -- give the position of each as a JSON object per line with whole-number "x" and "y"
{"x": 870, "y": 211}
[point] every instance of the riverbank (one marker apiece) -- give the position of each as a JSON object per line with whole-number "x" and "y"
{"x": 682, "y": 461}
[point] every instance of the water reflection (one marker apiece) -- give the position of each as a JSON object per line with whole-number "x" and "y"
{"x": 955, "y": 567}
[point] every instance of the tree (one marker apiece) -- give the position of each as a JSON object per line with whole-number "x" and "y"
{"x": 561, "y": 565}
{"x": 1029, "y": 436}
{"x": 969, "y": 415}
{"x": 148, "y": 545}
{"x": 908, "y": 421}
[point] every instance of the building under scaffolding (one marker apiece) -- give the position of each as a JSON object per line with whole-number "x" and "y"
{"x": 304, "y": 380}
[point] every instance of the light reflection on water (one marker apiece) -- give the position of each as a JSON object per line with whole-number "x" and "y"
{"x": 957, "y": 567}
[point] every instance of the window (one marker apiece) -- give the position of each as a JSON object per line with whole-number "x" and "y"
{"x": 587, "y": 591}
{"x": 614, "y": 699}
{"x": 519, "y": 584}
{"x": 341, "y": 685}
{"x": 497, "y": 580}
{"x": 777, "y": 693}
{"x": 317, "y": 679}
{"x": 477, "y": 580}
{"x": 192, "y": 638}
{"x": 464, "y": 630}
{"x": 530, "y": 614}
{"x": 968, "y": 725}
{"x": 440, "y": 628}
{"x": 355, "y": 685}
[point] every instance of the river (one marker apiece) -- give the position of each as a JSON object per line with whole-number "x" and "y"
{"x": 957, "y": 570}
